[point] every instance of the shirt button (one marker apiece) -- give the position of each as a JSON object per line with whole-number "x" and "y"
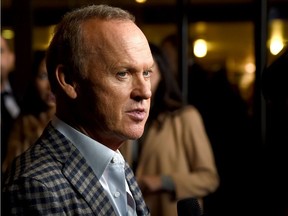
{"x": 114, "y": 160}
{"x": 116, "y": 194}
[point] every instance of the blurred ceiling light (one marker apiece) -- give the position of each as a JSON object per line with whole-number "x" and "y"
{"x": 140, "y": 1}
{"x": 250, "y": 67}
{"x": 200, "y": 48}
{"x": 8, "y": 34}
{"x": 276, "y": 45}
{"x": 276, "y": 38}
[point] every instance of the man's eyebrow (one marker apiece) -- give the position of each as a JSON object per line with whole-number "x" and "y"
{"x": 153, "y": 65}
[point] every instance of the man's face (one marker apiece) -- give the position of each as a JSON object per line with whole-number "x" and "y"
{"x": 115, "y": 97}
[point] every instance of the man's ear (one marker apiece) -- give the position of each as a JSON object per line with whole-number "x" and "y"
{"x": 65, "y": 82}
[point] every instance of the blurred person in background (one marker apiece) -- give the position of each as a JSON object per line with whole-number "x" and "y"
{"x": 173, "y": 160}
{"x": 228, "y": 124}
{"x": 197, "y": 77}
{"x": 37, "y": 109}
{"x": 9, "y": 101}
{"x": 169, "y": 45}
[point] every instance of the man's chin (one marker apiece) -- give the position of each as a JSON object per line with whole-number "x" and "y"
{"x": 136, "y": 134}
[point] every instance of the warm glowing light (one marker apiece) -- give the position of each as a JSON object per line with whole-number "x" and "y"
{"x": 276, "y": 45}
{"x": 276, "y": 42}
{"x": 140, "y": 1}
{"x": 200, "y": 48}
{"x": 8, "y": 34}
{"x": 51, "y": 33}
{"x": 250, "y": 67}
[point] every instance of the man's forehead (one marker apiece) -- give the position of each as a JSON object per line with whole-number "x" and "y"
{"x": 111, "y": 34}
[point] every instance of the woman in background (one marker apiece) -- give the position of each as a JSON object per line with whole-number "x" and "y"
{"x": 173, "y": 159}
{"x": 37, "y": 109}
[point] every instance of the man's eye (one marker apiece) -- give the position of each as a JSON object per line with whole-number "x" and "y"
{"x": 147, "y": 73}
{"x": 122, "y": 74}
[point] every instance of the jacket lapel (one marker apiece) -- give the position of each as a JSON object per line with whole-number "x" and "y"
{"x": 80, "y": 174}
{"x": 141, "y": 207}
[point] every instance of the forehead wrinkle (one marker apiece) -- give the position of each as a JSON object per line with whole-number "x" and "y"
{"x": 108, "y": 42}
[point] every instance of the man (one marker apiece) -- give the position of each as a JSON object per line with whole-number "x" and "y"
{"x": 9, "y": 102}
{"x": 99, "y": 65}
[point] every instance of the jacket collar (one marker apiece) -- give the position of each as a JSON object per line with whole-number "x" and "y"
{"x": 78, "y": 172}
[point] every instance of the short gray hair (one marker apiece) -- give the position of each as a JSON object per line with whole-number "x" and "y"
{"x": 66, "y": 47}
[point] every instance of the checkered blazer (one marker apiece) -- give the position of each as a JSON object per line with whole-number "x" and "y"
{"x": 53, "y": 178}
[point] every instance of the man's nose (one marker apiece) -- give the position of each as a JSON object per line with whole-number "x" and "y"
{"x": 141, "y": 89}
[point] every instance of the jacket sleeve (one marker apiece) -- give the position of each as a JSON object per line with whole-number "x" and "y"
{"x": 203, "y": 176}
{"x": 28, "y": 196}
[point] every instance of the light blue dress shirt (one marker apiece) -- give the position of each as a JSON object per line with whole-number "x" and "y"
{"x": 101, "y": 159}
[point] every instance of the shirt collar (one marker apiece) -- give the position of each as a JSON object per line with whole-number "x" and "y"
{"x": 96, "y": 154}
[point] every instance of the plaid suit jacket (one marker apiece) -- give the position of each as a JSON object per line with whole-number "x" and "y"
{"x": 53, "y": 178}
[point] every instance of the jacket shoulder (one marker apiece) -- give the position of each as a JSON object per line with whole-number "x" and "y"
{"x": 45, "y": 155}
